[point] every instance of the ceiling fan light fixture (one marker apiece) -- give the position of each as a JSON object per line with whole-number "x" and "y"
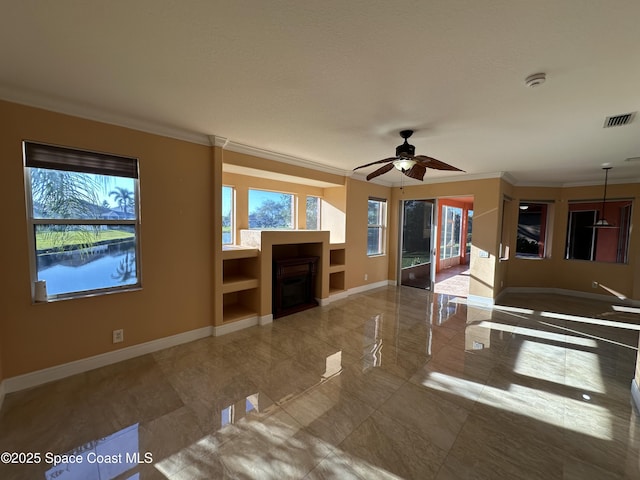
{"x": 404, "y": 164}
{"x": 602, "y": 223}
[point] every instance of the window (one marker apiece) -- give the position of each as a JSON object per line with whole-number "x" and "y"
{"x": 271, "y": 209}
{"x": 313, "y": 213}
{"x": 377, "y": 215}
{"x": 584, "y": 242}
{"x": 532, "y": 230}
{"x": 450, "y": 230}
{"x": 228, "y": 217}
{"x": 83, "y": 218}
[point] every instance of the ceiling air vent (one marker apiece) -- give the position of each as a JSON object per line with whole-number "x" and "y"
{"x": 619, "y": 120}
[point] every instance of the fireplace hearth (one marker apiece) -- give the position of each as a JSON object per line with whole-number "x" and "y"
{"x": 294, "y": 285}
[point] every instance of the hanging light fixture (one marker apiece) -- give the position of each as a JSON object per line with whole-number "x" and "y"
{"x": 602, "y": 222}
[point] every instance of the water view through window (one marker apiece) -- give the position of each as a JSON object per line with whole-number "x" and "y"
{"x": 84, "y": 224}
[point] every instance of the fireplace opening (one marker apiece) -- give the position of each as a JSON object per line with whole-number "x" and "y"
{"x": 294, "y": 285}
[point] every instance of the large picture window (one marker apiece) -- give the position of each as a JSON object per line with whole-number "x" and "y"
{"x": 271, "y": 209}
{"x": 83, "y": 220}
{"x": 377, "y": 218}
{"x": 598, "y": 244}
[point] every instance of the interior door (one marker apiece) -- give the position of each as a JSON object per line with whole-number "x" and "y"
{"x": 416, "y": 244}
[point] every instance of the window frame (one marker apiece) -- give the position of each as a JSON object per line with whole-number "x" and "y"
{"x": 545, "y": 228}
{"x": 381, "y": 227}
{"x": 47, "y": 156}
{"x": 318, "y": 225}
{"x": 621, "y": 225}
{"x": 232, "y": 214}
{"x": 447, "y": 252}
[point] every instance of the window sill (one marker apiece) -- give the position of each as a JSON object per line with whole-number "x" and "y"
{"x": 135, "y": 288}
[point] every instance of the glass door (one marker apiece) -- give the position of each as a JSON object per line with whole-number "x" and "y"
{"x": 416, "y": 244}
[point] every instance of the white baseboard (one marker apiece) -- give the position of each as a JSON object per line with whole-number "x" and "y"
{"x": 635, "y": 394}
{"x": 235, "y": 326}
{"x": 369, "y": 286}
{"x": 39, "y": 377}
{"x": 572, "y": 293}
{"x": 337, "y": 296}
{"x": 478, "y": 301}
{"x": 1, "y": 393}
{"x": 265, "y": 319}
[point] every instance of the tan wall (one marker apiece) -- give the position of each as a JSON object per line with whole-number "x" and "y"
{"x": 334, "y": 213}
{"x": 176, "y": 238}
{"x": 358, "y": 263}
{"x": 576, "y": 275}
{"x": 486, "y": 221}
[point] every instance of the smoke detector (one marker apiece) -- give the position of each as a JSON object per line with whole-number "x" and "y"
{"x": 535, "y": 79}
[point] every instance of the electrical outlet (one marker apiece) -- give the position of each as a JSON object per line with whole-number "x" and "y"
{"x": 594, "y": 284}
{"x": 118, "y": 335}
{"x": 366, "y": 277}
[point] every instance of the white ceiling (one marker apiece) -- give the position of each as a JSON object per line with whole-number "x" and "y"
{"x": 332, "y": 82}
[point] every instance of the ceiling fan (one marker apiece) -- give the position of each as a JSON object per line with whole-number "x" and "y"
{"x": 408, "y": 162}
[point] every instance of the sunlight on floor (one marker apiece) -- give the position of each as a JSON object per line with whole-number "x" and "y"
{"x": 592, "y": 321}
{"x": 275, "y": 448}
{"x": 520, "y": 400}
{"x": 529, "y": 332}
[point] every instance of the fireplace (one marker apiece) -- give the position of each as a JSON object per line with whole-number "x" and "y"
{"x": 294, "y": 285}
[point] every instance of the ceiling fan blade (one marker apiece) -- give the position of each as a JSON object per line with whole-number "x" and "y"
{"x": 390, "y": 159}
{"x": 380, "y": 171}
{"x": 417, "y": 171}
{"x": 430, "y": 162}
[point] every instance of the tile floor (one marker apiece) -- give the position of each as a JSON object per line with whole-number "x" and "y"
{"x": 453, "y": 281}
{"x": 395, "y": 383}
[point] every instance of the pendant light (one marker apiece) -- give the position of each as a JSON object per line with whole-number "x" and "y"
{"x": 602, "y": 222}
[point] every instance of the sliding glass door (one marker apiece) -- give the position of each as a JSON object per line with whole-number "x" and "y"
{"x": 416, "y": 243}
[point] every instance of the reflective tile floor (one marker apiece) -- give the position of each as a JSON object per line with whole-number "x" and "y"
{"x": 393, "y": 383}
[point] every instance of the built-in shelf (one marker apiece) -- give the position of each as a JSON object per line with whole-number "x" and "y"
{"x": 337, "y": 265}
{"x": 240, "y": 283}
{"x": 236, "y": 283}
{"x": 235, "y": 312}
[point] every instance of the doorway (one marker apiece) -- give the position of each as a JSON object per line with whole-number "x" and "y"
{"x": 416, "y": 244}
{"x": 453, "y": 249}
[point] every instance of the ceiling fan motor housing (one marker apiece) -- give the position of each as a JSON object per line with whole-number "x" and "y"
{"x": 405, "y": 150}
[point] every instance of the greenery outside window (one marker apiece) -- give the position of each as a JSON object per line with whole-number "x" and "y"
{"x": 271, "y": 210}
{"x": 532, "y": 230}
{"x": 83, "y": 220}
{"x": 313, "y": 213}
{"x": 377, "y": 218}
{"x": 228, "y": 217}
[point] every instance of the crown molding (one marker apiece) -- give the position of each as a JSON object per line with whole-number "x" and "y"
{"x": 88, "y": 112}
{"x": 466, "y": 177}
{"x": 590, "y": 183}
{"x": 377, "y": 180}
{"x": 278, "y": 157}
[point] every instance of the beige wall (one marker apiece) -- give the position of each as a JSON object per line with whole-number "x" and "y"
{"x": 576, "y": 275}
{"x": 176, "y": 238}
{"x": 358, "y": 263}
